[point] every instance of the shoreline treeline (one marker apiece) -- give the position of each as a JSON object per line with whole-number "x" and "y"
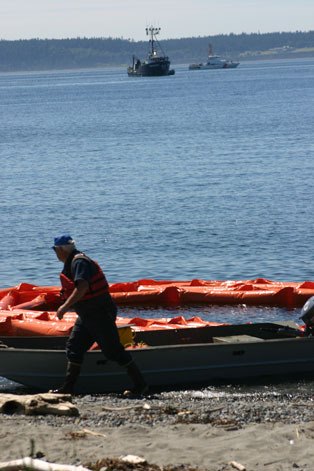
{"x": 72, "y": 53}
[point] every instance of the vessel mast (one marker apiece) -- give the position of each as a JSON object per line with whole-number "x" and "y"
{"x": 152, "y": 32}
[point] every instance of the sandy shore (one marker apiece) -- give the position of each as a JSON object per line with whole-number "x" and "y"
{"x": 205, "y": 429}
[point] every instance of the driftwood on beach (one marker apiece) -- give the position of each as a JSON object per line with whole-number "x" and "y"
{"x": 37, "y": 404}
{"x": 124, "y": 463}
{"x": 37, "y": 465}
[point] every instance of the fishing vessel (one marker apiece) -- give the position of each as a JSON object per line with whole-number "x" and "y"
{"x": 156, "y": 64}
{"x": 214, "y": 62}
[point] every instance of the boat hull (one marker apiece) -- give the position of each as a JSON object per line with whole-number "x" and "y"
{"x": 165, "y": 366}
{"x": 227, "y": 65}
{"x": 151, "y": 69}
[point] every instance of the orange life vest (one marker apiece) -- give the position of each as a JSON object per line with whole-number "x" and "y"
{"x": 98, "y": 284}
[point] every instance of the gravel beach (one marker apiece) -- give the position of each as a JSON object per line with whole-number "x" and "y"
{"x": 205, "y": 429}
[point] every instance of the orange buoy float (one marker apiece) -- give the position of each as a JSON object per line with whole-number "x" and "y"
{"x": 28, "y": 309}
{"x": 147, "y": 292}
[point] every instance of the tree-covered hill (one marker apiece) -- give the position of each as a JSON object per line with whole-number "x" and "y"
{"x": 47, "y": 54}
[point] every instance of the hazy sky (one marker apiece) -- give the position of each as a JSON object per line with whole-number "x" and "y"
{"x": 24, "y": 19}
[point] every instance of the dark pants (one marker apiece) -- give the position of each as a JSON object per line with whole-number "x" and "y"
{"x": 96, "y": 326}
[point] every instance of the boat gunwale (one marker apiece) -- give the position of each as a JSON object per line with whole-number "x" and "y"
{"x": 202, "y": 345}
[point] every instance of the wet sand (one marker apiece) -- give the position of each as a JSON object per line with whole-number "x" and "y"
{"x": 204, "y": 429}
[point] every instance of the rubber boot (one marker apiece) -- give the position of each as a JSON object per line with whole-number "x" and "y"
{"x": 140, "y": 386}
{"x": 72, "y": 373}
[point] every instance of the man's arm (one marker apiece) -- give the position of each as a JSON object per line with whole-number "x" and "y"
{"x": 79, "y": 291}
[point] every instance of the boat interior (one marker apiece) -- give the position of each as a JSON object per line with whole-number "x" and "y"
{"x": 235, "y": 333}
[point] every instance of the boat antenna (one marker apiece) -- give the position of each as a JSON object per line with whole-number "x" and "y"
{"x": 210, "y": 49}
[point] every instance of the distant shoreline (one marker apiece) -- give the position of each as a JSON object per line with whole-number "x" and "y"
{"x": 271, "y": 54}
{"x": 96, "y": 53}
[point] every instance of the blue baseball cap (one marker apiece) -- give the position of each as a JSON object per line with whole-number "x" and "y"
{"x": 64, "y": 239}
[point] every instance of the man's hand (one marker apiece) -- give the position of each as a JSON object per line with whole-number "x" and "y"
{"x": 61, "y": 311}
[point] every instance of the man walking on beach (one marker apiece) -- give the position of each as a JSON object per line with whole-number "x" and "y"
{"x": 85, "y": 288}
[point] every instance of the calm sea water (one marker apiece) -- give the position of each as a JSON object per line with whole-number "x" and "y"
{"x": 205, "y": 174}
